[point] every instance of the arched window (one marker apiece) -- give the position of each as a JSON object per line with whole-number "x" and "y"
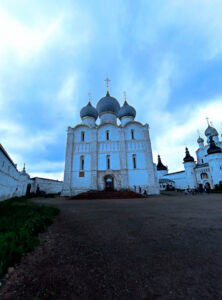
{"x": 108, "y": 162}
{"x": 82, "y": 136}
{"x": 134, "y": 161}
{"x": 107, "y": 135}
{"x": 82, "y": 162}
{"x": 203, "y": 175}
{"x": 132, "y": 134}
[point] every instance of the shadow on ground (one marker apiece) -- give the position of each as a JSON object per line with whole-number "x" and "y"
{"x": 157, "y": 248}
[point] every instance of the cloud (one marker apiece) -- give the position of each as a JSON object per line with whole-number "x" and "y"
{"x": 24, "y": 42}
{"x": 56, "y": 176}
{"x": 66, "y": 101}
{"x": 52, "y": 55}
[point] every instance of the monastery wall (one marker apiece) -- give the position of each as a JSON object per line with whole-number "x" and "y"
{"x": 49, "y": 186}
{"x": 179, "y": 178}
{"x": 16, "y": 184}
{"x": 12, "y": 182}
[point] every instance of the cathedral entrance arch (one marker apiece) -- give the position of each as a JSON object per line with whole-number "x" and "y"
{"x": 207, "y": 185}
{"x": 109, "y": 183}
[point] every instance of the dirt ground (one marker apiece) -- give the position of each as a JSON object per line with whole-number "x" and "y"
{"x": 163, "y": 247}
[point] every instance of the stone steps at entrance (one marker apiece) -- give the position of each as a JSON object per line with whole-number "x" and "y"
{"x": 107, "y": 195}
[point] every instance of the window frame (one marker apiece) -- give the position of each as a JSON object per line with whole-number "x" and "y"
{"x": 107, "y": 135}
{"x": 82, "y": 162}
{"x": 108, "y": 162}
{"x": 82, "y": 136}
{"x": 134, "y": 161}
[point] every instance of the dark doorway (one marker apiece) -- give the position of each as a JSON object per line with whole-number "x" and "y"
{"x": 28, "y": 191}
{"x": 207, "y": 185}
{"x": 109, "y": 184}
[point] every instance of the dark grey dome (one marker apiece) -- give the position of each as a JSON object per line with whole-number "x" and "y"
{"x": 200, "y": 140}
{"x": 126, "y": 110}
{"x": 211, "y": 131}
{"x": 213, "y": 148}
{"x": 89, "y": 111}
{"x": 188, "y": 157}
{"x": 160, "y": 166}
{"x": 107, "y": 104}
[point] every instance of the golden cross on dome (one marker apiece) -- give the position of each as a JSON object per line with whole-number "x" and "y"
{"x": 207, "y": 121}
{"x": 124, "y": 95}
{"x": 107, "y": 83}
{"x": 89, "y": 94}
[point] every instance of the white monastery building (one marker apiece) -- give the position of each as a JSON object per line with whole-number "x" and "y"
{"x": 205, "y": 172}
{"x": 14, "y": 183}
{"x": 113, "y": 154}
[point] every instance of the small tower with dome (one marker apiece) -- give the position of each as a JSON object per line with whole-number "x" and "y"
{"x": 161, "y": 169}
{"x": 89, "y": 114}
{"x": 126, "y": 113}
{"x": 200, "y": 142}
{"x": 211, "y": 131}
{"x": 189, "y": 165}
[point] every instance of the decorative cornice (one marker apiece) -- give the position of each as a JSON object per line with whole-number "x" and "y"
{"x": 133, "y": 122}
{"x": 124, "y": 117}
{"x": 81, "y": 124}
{"x": 107, "y": 112}
{"x": 88, "y": 117}
{"x": 105, "y": 123}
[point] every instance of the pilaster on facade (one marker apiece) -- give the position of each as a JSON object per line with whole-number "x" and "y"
{"x": 66, "y": 191}
{"x": 123, "y": 159}
{"x": 149, "y": 161}
{"x": 94, "y": 159}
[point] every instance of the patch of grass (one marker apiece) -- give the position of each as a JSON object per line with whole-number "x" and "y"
{"x": 20, "y": 224}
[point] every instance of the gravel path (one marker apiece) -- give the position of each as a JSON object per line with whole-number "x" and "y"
{"x": 157, "y": 248}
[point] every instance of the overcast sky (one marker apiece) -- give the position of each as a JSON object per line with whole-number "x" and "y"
{"x": 167, "y": 56}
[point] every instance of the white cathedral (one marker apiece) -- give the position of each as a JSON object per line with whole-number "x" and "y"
{"x": 111, "y": 155}
{"x": 205, "y": 172}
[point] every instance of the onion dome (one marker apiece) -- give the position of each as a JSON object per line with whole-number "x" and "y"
{"x": 160, "y": 166}
{"x": 126, "y": 111}
{"x": 108, "y": 104}
{"x": 200, "y": 140}
{"x": 89, "y": 111}
{"x": 188, "y": 157}
{"x": 23, "y": 173}
{"x": 211, "y": 131}
{"x": 213, "y": 148}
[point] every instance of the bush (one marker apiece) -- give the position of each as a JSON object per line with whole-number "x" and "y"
{"x": 20, "y": 223}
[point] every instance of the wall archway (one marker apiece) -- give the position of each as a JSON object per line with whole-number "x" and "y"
{"x": 28, "y": 189}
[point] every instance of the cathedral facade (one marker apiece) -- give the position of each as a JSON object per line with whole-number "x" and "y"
{"x": 108, "y": 155}
{"x": 204, "y": 172}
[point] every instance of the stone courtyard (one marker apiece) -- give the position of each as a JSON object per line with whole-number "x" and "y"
{"x": 162, "y": 247}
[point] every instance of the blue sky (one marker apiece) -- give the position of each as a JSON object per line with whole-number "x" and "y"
{"x": 167, "y": 56}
